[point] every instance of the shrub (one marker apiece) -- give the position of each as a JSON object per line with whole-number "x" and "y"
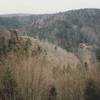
{"x": 8, "y": 84}
{"x": 92, "y": 90}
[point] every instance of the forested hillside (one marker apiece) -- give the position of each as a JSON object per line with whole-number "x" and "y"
{"x": 67, "y": 29}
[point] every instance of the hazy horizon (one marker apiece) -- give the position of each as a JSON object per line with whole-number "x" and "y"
{"x": 44, "y": 6}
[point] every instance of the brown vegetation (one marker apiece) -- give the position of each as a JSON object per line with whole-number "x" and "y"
{"x": 32, "y": 71}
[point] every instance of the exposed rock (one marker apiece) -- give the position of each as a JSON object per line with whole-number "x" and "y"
{"x": 7, "y": 38}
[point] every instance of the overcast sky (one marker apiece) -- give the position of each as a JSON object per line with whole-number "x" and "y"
{"x": 44, "y": 6}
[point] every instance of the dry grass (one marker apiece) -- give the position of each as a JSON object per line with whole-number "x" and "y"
{"x": 31, "y": 75}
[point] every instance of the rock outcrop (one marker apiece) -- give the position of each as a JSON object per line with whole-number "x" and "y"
{"x": 7, "y": 37}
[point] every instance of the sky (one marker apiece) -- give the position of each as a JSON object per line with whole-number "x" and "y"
{"x": 44, "y": 6}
